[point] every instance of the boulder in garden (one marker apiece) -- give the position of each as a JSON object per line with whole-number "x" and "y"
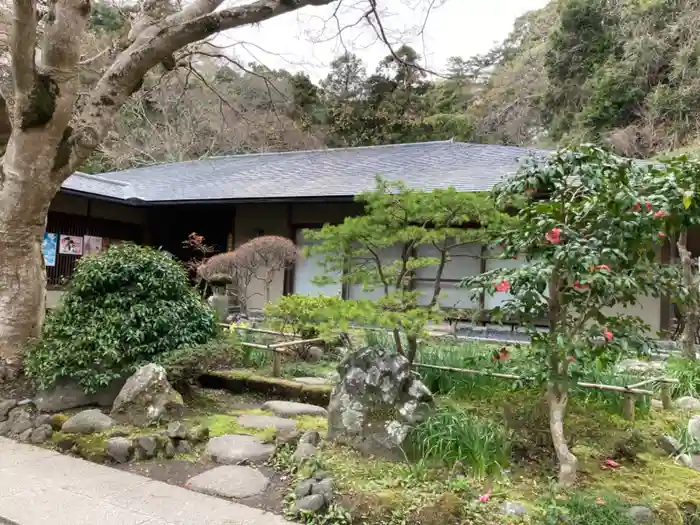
{"x": 146, "y": 398}
{"x": 688, "y": 403}
{"x": 88, "y": 422}
{"x": 5, "y": 407}
{"x": 376, "y": 402}
{"x": 67, "y": 394}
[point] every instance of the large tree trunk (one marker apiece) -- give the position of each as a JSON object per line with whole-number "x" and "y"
{"x": 568, "y": 464}
{"x": 25, "y": 194}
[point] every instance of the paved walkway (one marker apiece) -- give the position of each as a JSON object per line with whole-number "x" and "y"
{"x": 39, "y": 486}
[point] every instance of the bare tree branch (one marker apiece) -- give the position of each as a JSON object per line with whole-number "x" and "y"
{"x": 22, "y": 47}
{"x": 149, "y": 47}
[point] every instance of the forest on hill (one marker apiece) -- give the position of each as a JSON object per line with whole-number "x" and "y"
{"x": 623, "y": 73}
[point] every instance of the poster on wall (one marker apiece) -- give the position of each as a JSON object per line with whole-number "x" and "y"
{"x": 92, "y": 244}
{"x": 71, "y": 245}
{"x": 48, "y": 247}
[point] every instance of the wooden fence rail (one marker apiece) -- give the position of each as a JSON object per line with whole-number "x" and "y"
{"x": 629, "y": 393}
{"x": 278, "y": 349}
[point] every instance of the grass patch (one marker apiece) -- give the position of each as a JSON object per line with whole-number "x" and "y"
{"x": 581, "y": 508}
{"x": 453, "y": 435}
{"x": 688, "y": 375}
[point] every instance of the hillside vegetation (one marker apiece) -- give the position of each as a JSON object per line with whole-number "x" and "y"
{"x": 621, "y": 72}
{"x": 617, "y": 72}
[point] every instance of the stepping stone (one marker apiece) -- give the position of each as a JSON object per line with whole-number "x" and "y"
{"x": 229, "y": 481}
{"x": 233, "y": 449}
{"x": 292, "y": 409}
{"x": 314, "y": 381}
{"x": 263, "y": 422}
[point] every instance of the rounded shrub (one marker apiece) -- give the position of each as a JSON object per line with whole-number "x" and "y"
{"x": 124, "y": 307}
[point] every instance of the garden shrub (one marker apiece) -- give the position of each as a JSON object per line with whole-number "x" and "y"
{"x": 125, "y": 307}
{"x": 305, "y": 316}
{"x": 184, "y": 365}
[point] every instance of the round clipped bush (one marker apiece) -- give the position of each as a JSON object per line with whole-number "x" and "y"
{"x": 125, "y": 307}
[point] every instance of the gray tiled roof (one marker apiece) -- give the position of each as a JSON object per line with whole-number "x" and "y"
{"x": 303, "y": 174}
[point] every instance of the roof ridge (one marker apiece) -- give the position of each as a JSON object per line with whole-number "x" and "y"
{"x": 280, "y": 153}
{"x": 321, "y": 150}
{"x": 101, "y": 179}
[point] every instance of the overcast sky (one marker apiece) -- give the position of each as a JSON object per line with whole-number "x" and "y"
{"x": 303, "y": 40}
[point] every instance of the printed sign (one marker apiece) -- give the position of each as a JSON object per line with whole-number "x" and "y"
{"x": 71, "y": 245}
{"x": 48, "y": 247}
{"x": 92, "y": 244}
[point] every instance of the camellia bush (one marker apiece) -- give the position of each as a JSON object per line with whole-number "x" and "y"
{"x": 125, "y": 307}
{"x": 591, "y": 226}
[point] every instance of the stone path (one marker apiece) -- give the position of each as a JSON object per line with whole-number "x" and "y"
{"x": 233, "y": 449}
{"x": 293, "y": 409}
{"x": 230, "y": 481}
{"x": 39, "y": 486}
{"x": 264, "y": 422}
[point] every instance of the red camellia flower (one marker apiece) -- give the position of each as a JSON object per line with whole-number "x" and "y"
{"x": 662, "y": 235}
{"x": 604, "y": 267}
{"x": 503, "y": 286}
{"x": 649, "y": 206}
{"x": 554, "y": 235}
{"x": 579, "y": 286}
{"x": 659, "y": 214}
{"x": 637, "y": 206}
{"x": 608, "y": 334}
{"x": 572, "y": 359}
{"x": 502, "y": 355}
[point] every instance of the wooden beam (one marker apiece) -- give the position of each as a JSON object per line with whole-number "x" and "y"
{"x": 256, "y": 345}
{"x": 286, "y": 344}
{"x": 612, "y": 388}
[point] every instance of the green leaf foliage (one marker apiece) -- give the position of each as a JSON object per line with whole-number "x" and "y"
{"x": 399, "y": 218}
{"x": 125, "y": 307}
{"x": 591, "y": 228}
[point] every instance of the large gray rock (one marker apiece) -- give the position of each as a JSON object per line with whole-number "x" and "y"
{"x": 264, "y": 422}
{"x": 293, "y": 409}
{"x": 41, "y": 434}
{"x": 641, "y": 515}
{"x": 230, "y": 481}
{"x": 688, "y": 403}
{"x": 67, "y": 394}
{"x": 88, "y": 422}
{"x": 694, "y": 427}
{"x": 234, "y": 449}
{"x": 311, "y": 503}
{"x": 119, "y": 449}
{"x": 670, "y": 445}
{"x": 145, "y": 447}
{"x": 147, "y": 398}
{"x": 5, "y": 407}
{"x": 513, "y": 508}
{"x": 376, "y": 402}
{"x": 19, "y": 420}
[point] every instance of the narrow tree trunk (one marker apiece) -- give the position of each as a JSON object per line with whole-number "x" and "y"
{"x": 412, "y": 341}
{"x": 692, "y": 317}
{"x": 568, "y": 464}
{"x": 397, "y": 341}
